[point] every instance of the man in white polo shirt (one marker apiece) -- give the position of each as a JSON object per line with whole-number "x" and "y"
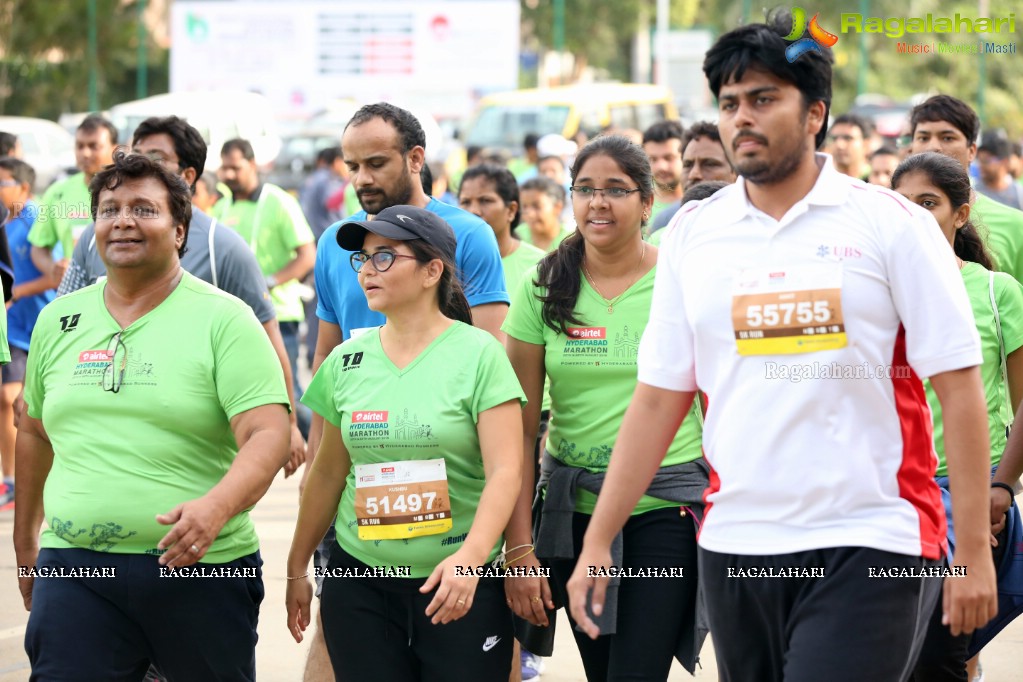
{"x": 807, "y": 306}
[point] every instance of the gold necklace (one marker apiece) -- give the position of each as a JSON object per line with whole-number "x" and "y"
{"x": 611, "y": 302}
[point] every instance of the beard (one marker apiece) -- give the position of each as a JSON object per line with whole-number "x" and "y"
{"x": 772, "y": 171}
{"x": 375, "y": 199}
{"x": 667, "y": 187}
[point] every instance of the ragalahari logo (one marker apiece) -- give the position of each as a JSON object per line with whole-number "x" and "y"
{"x": 818, "y": 38}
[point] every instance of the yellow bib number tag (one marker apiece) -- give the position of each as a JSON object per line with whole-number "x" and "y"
{"x": 398, "y": 500}
{"x": 788, "y": 310}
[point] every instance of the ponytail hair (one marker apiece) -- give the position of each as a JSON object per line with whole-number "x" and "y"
{"x": 560, "y": 269}
{"x": 450, "y": 296}
{"x": 950, "y": 177}
{"x": 559, "y": 275}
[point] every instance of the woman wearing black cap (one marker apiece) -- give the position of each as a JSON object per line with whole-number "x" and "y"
{"x": 421, "y": 462}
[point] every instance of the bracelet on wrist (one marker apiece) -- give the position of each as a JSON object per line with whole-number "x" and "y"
{"x": 298, "y": 577}
{"x": 509, "y": 562}
{"x": 1006, "y": 487}
{"x": 270, "y": 282}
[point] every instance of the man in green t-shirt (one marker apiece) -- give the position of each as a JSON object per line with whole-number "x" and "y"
{"x": 949, "y": 126}
{"x": 662, "y": 143}
{"x": 272, "y": 223}
{"x": 64, "y": 207}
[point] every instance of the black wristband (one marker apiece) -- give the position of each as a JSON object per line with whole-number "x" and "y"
{"x": 1004, "y": 486}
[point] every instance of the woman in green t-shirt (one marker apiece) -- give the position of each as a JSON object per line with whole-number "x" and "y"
{"x": 579, "y": 323}
{"x": 491, "y": 192}
{"x": 941, "y": 185}
{"x": 542, "y": 201}
{"x": 420, "y": 461}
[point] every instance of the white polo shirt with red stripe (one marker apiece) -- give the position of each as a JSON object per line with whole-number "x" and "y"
{"x": 810, "y": 337}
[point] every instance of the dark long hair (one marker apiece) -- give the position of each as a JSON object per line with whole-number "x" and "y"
{"x": 950, "y": 177}
{"x": 450, "y": 296}
{"x": 559, "y": 270}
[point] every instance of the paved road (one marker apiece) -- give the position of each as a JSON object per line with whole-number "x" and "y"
{"x": 279, "y": 659}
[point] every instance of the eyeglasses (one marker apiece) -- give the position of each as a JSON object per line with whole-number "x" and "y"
{"x": 585, "y": 193}
{"x": 382, "y": 260}
{"x": 112, "y": 379}
{"x": 9, "y": 183}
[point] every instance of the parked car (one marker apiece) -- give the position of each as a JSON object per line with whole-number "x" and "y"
{"x": 502, "y": 120}
{"x": 46, "y": 146}
{"x": 298, "y": 157}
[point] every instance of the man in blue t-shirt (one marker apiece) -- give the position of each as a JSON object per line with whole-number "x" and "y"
{"x": 31, "y": 291}
{"x": 384, "y": 151}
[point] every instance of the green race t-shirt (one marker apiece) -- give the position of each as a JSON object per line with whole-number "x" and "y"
{"x": 661, "y": 205}
{"x": 5, "y": 349}
{"x": 526, "y": 237}
{"x": 524, "y": 258}
{"x": 1009, "y": 296}
{"x": 593, "y": 376}
{"x": 517, "y": 263}
{"x": 426, "y": 411}
{"x": 65, "y": 210}
{"x": 119, "y": 459}
{"x": 274, "y": 227}
{"x": 1002, "y": 228}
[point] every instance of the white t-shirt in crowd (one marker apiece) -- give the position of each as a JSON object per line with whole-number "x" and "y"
{"x": 810, "y": 337}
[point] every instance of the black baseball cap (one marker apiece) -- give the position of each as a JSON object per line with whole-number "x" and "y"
{"x": 402, "y": 223}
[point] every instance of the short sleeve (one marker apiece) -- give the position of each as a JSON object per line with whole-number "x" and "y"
{"x": 319, "y": 395}
{"x": 77, "y": 275}
{"x": 524, "y": 321}
{"x": 295, "y": 228}
{"x": 667, "y": 351}
{"x": 496, "y": 382}
{"x": 44, "y": 233}
{"x": 246, "y": 369}
{"x": 238, "y": 272}
{"x": 1009, "y": 296}
{"x": 325, "y": 305}
{"x": 928, "y": 292}
{"x": 479, "y": 265}
{"x": 38, "y": 358}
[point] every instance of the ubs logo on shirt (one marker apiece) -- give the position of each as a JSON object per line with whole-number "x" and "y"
{"x": 839, "y": 252}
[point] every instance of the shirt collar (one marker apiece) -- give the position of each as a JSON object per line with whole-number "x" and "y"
{"x": 830, "y": 189}
{"x": 255, "y": 194}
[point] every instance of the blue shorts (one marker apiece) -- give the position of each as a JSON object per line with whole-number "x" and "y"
{"x": 112, "y": 628}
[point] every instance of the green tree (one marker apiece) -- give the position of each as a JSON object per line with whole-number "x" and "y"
{"x": 599, "y": 34}
{"x": 44, "y": 69}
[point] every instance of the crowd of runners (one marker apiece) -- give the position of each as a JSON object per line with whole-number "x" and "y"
{"x": 753, "y": 379}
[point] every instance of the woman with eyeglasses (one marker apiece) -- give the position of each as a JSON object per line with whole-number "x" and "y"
{"x": 156, "y": 417}
{"x": 579, "y": 322}
{"x": 420, "y": 461}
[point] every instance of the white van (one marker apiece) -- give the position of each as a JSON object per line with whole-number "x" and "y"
{"x": 219, "y": 116}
